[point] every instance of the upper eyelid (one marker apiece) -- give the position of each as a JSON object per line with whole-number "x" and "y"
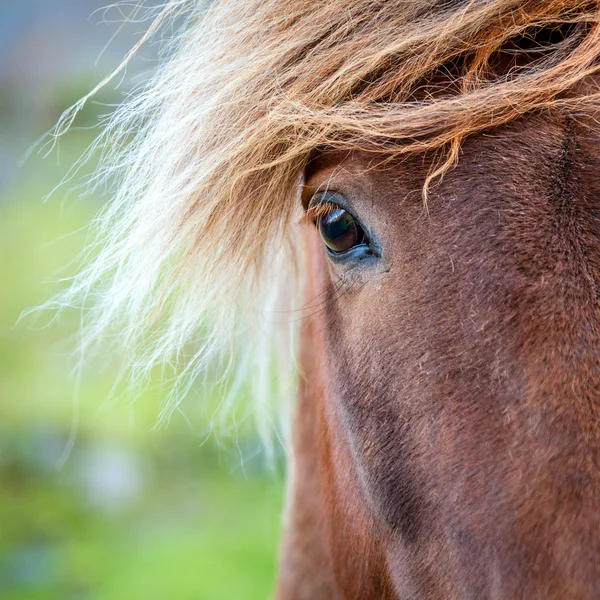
{"x": 311, "y": 192}
{"x": 328, "y": 195}
{"x": 326, "y": 184}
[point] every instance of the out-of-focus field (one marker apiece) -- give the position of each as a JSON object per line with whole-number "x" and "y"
{"x": 94, "y": 505}
{"x": 124, "y": 512}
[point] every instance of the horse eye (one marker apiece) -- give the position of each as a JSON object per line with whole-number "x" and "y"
{"x": 340, "y": 231}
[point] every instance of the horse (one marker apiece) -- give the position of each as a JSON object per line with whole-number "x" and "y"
{"x": 390, "y": 211}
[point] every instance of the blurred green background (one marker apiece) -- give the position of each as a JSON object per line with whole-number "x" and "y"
{"x": 93, "y": 503}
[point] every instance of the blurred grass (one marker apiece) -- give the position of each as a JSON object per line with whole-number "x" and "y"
{"x": 130, "y": 514}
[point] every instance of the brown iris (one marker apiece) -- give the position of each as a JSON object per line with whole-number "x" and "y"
{"x": 340, "y": 231}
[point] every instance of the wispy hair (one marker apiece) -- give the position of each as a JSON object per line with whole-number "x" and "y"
{"x": 198, "y": 251}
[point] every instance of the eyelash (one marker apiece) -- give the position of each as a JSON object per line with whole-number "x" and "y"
{"x": 317, "y": 211}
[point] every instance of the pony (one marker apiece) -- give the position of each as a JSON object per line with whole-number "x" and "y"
{"x": 388, "y": 212}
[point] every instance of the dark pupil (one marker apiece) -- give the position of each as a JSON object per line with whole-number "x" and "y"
{"x": 339, "y": 231}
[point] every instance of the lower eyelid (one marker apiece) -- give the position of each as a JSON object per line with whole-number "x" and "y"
{"x": 355, "y": 255}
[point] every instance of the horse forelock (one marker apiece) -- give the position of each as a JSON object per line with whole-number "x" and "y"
{"x": 198, "y": 247}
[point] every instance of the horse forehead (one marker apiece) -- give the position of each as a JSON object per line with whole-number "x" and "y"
{"x": 517, "y": 144}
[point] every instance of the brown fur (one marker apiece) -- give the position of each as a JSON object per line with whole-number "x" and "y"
{"x": 458, "y": 379}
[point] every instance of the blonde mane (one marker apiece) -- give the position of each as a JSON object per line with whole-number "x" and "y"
{"x": 197, "y": 253}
